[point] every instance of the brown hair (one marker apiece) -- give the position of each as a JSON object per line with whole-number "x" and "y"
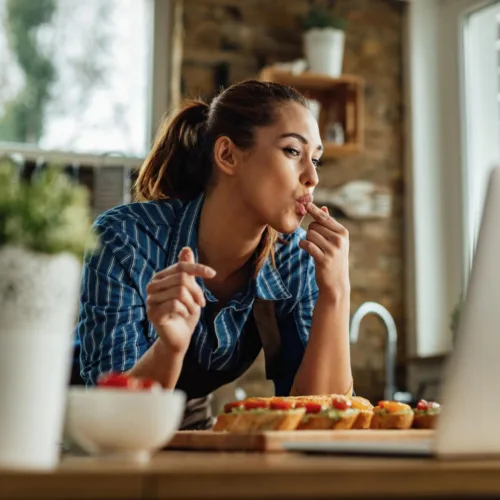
{"x": 180, "y": 163}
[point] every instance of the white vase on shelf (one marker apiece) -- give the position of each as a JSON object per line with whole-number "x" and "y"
{"x": 324, "y": 50}
{"x": 38, "y": 301}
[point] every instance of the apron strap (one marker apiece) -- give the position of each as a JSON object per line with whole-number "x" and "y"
{"x": 197, "y": 414}
{"x": 267, "y": 325}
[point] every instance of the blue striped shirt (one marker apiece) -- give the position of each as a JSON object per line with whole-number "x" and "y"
{"x": 140, "y": 239}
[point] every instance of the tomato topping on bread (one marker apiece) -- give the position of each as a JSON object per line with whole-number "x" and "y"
{"x": 229, "y": 407}
{"x": 281, "y": 404}
{"x": 310, "y": 406}
{"x": 424, "y": 405}
{"x": 341, "y": 403}
{"x": 255, "y": 404}
{"x": 426, "y": 414}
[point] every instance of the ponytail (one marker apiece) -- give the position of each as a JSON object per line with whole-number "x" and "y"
{"x": 179, "y": 164}
{"x": 266, "y": 248}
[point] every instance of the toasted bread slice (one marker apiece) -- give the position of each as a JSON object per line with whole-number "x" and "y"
{"x": 363, "y": 420}
{"x": 426, "y": 414}
{"x": 225, "y": 421}
{"x": 365, "y": 416}
{"x": 329, "y": 419}
{"x": 267, "y": 420}
{"x": 317, "y": 423}
{"x": 425, "y": 420}
{"x": 264, "y": 421}
{"x": 401, "y": 420}
{"x": 292, "y": 420}
{"x": 392, "y": 415}
{"x": 246, "y": 421}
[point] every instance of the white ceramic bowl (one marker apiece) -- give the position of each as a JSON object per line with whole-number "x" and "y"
{"x": 122, "y": 423}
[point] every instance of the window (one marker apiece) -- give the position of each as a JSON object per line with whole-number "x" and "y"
{"x": 452, "y": 126}
{"x": 77, "y": 76}
{"x": 482, "y": 110}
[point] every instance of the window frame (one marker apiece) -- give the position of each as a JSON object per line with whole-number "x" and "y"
{"x": 163, "y": 13}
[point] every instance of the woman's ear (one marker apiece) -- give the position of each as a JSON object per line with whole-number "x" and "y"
{"x": 226, "y": 155}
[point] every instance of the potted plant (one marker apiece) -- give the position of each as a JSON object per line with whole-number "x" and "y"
{"x": 44, "y": 228}
{"x": 324, "y": 39}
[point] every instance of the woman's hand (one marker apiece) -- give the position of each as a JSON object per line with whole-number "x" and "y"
{"x": 327, "y": 242}
{"x": 174, "y": 301}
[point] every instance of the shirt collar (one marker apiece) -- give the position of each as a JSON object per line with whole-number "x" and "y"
{"x": 268, "y": 284}
{"x": 186, "y": 235}
{"x": 186, "y": 230}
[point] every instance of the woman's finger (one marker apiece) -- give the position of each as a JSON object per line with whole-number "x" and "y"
{"x": 320, "y": 241}
{"x": 178, "y": 307}
{"x": 159, "y": 291}
{"x": 323, "y": 218}
{"x": 159, "y": 287}
{"x": 198, "y": 270}
{"x": 331, "y": 236}
{"x": 186, "y": 255}
{"x": 313, "y": 250}
{"x": 179, "y": 292}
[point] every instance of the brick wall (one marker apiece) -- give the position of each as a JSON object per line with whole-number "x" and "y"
{"x": 229, "y": 40}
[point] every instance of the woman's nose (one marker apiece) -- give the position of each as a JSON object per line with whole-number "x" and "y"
{"x": 309, "y": 176}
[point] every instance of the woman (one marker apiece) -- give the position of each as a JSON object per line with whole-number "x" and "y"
{"x": 211, "y": 265}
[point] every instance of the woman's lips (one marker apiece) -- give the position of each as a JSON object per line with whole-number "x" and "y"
{"x": 300, "y": 209}
{"x": 305, "y": 199}
{"x": 301, "y": 204}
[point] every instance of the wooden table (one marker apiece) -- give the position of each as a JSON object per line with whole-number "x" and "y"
{"x": 211, "y": 475}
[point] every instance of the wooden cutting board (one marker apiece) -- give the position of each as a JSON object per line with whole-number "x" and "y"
{"x": 272, "y": 441}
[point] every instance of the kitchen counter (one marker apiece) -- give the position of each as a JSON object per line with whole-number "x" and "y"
{"x": 211, "y": 475}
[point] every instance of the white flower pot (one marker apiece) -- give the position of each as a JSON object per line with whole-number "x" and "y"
{"x": 38, "y": 302}
{"x": 324, "y": 50}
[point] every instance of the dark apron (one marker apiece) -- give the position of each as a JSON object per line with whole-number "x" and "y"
{"x": 260, "y": 331}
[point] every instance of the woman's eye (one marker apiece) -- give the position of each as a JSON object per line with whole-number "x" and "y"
{"x": 292, "y": 151}
{"x": 316, "y": 162}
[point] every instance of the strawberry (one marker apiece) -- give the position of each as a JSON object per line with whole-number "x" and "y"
{"x": 115, "y": 380}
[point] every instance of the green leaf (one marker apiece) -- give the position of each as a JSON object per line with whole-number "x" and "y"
{"x": 320, "y": 17}
{"x": 48, "y": 214}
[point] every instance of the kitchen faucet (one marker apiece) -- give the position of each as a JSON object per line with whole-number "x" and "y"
{"x": 391, "y": 341}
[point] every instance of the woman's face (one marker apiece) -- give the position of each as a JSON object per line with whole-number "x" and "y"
{"x": 277, "y": 176}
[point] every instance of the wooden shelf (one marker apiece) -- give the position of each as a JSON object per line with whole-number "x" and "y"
{"x": 341, "y": 99}
{"x": 339, "y": 150}
{"x": 313, "y": 81}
